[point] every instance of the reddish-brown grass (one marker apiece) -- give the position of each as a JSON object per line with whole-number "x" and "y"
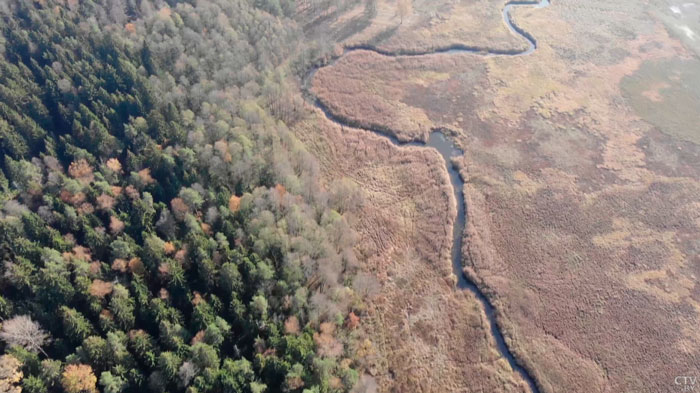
{"x": 583, "y": 218}
{"x": 423, "y": 335}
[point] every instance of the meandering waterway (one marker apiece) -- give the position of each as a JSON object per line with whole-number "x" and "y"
{"x": 447, "y": 149}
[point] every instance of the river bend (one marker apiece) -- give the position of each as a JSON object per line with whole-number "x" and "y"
{"x": 447, "y": 149}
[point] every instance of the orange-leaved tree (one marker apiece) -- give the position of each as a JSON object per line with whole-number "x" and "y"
{"x": 79, "y": 378}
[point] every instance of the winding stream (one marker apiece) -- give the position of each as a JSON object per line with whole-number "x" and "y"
{"x": 447, "y": 149}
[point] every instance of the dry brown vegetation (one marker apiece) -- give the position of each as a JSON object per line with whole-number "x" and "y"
{"x": 423, "y": 335}
{"x": 407, "y": 96}
{"x": 583, "y": 198}
{"x": 10, "y": 374}
{"x": 430, "y": 24}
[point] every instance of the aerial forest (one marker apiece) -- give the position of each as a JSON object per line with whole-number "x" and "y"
{"x": 161, "y": 229}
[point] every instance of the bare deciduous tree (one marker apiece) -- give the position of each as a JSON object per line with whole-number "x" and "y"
{"x": 187, "y": 372}
{"x": 22, "y": 331}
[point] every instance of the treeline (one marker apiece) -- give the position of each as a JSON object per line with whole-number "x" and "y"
{"x": 160, "y": 228}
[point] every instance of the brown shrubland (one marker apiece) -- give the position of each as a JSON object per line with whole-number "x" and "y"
{"x": 580, "y": 212}
{"x": 411, "y": 324}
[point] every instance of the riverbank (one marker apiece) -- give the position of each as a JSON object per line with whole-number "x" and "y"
{"x": 440, "y": 142}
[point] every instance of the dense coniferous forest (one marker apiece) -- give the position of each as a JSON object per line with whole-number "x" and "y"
{"x": 160, "y": 227}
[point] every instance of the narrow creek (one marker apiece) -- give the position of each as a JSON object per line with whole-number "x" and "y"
{"x": 448, "y": 150}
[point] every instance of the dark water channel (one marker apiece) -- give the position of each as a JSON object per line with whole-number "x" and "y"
{"x": 446, "y": 147}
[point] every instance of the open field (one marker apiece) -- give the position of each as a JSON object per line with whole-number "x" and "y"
{"x": 427, "y": 25}
{"x": 406, "y": 96}
{"x": 438, "y": 24}
{"x": 425, "y": 335}
{"x": 582, "y": 171}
